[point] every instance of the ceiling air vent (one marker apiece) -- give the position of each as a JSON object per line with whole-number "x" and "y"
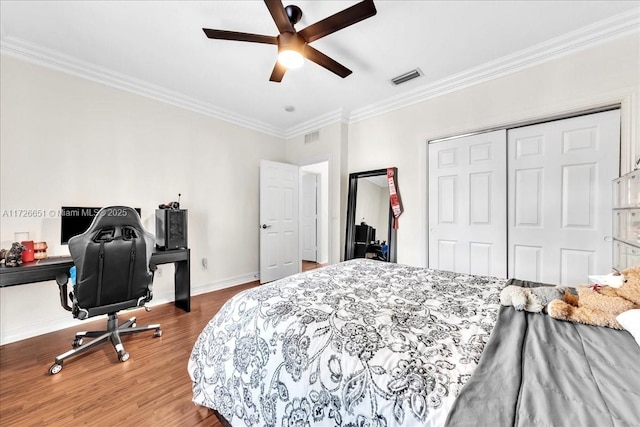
{"x": 312, "y": 137}
{"x": 403, "y": 78}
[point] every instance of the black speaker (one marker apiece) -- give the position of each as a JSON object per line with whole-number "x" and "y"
{"x": 171, "y": 229}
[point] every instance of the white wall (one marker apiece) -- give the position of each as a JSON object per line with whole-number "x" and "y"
{"x": 331, "y": 146}
{"x": 65, "y": 140}
{"x": 69, "y": 141}
{"x": 602, "y": 75}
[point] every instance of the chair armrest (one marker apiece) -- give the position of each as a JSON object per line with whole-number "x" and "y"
{"x": 62, "y": 279}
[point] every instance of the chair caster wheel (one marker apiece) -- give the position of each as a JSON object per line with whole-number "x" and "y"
{"x": 123, "y": 357}
{"x": 55, "y": 368}
{"x": 157, "y": 333}
{"x": 133, "y": 325}
{"x": 77, "y": 342}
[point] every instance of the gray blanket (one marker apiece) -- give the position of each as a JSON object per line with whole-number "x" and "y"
{"x": 537, "y": 371}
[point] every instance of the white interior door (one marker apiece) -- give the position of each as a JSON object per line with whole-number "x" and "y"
{"x": 467, "y": 204}
{"x": 309, "y": 221}
{"x": 560, "y": 184}
{"x": 279, "y": 256}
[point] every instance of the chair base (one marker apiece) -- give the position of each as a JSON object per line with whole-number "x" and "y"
{"x": 112, "y": 334}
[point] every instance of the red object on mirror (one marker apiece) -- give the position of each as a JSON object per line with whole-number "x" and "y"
{"x": 394, "y": 197}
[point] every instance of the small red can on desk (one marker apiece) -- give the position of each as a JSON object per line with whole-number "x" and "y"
{"x": 27, "y": 253}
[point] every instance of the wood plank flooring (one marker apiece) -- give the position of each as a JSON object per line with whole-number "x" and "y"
{"x": 310, "y": 265}
{"x": 152, "y": 388}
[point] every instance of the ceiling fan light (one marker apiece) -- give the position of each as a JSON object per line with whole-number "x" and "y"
{"x": 290, "y": 59}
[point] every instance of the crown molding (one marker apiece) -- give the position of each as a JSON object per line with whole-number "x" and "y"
{"x": 335, "y": 116}
{"x": 583, "y": 38}
{"x": 23, "y": 50}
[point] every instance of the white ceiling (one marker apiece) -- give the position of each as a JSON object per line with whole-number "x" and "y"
{"x": 158, "y": 49}
{"x": 379, "y": 180}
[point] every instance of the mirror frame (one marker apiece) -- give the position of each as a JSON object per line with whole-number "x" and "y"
{"x": 349, "y": 249}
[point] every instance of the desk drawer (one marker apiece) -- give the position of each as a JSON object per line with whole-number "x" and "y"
{"x": 625, "y": 255}
{"x": 626, "y": 225}
{"x": 632, "y": 226}
{"x": 626, "y": 191}
{"x": 620, "y": 224}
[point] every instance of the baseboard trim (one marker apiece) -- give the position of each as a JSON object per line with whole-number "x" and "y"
{"x": 226, "y": 283}
{"x": 45, "y": 326}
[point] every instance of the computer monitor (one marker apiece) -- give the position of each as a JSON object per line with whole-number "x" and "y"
{"x": 76, "y": 220}
{"x": 365, "y": 233}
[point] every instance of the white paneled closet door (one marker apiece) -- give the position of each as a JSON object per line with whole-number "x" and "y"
{"x": 467, "y": 204}
{"x": 560, "y": 176}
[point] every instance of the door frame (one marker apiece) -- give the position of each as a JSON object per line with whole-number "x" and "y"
{"x": 327, "y": 231}
{"x": 318, "y": 206}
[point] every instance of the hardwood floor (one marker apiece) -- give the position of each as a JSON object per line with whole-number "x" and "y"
{"x": 152, "y": 388}
{"x": 310, "y": 265}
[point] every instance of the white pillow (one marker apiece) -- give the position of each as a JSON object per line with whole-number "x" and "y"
{"x": 630, "y": 320}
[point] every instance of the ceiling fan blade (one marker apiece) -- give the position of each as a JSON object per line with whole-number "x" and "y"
{"x": 277, "y": 73}
{"x": 279, "y": 16}
{"x": 243, "y": 37}
{"x": 324, "y": 61}
{"x": 356, "y": 13}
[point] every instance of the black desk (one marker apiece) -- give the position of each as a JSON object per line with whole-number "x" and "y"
{"x": 47, "y": 269}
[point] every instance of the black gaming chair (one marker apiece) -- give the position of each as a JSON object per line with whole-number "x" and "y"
{"x": 113, "y": 273}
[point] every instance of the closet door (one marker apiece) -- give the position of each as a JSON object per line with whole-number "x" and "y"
{"x": 560, "y": 193}
{"x": 467, "y": 204}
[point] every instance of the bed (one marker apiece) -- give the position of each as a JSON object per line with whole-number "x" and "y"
{"x": 370, "y": 343}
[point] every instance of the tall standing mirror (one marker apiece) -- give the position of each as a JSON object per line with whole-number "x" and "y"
{"x": 370, "y": 232}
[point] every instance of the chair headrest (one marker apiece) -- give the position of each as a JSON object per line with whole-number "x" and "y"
{"x": 115, "y": 216}
{"x": 106, "y": 233}
{"x": 113, "y": 222}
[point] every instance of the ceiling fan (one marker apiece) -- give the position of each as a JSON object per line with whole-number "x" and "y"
{"x": 293, "y": 46}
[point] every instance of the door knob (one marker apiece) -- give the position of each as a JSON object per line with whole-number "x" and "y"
{"x": 266, "y": 226}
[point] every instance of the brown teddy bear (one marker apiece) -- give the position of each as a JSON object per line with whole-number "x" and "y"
{"x": 599, "y": 305}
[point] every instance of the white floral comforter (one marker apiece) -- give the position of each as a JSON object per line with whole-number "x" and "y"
{"x": 361, "y": 343}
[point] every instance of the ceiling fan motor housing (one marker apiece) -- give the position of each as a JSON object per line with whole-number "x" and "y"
{"x": 291, "y": 41}
{"x": 293, "y": 13}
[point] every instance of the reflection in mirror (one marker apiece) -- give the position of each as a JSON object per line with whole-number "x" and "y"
{"x": 370, "y": 233}
{"x": 372, "y": 205}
